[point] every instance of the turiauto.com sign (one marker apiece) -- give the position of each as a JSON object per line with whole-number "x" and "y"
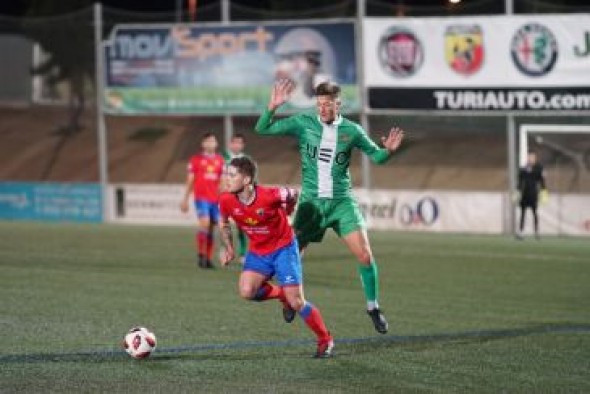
{"x": 492, "y": 63}
{"x": 218, "y": 69}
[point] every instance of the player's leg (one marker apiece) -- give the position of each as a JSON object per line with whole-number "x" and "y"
{"x": 358, "y": 243}
{"x": 523, "y": 207}
{"x": 213, "y": 211}
{"x": 308, "y": 223}
{"x": 312, "y": 317}
{"x": 254, "y": 281}
{"x": 290, "y": 277}
{"x": 203, "y": 226}
{"x": 522, "y": 216}
{"x": 535, "y": 218}
{"x": 349, "y": 224}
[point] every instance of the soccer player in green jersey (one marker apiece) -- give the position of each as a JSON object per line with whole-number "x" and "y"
{"x": 326, "y": 141}
{"x": 235, "y": 149}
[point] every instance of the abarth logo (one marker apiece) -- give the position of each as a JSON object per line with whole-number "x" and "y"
{"x": 464, "y": 48}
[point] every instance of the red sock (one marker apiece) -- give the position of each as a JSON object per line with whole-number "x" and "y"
{"x": 209, "y": 241}
{"x": 268, "y": 291}
{"x": 201, "y": 242}
{"x": 313, "y": 318}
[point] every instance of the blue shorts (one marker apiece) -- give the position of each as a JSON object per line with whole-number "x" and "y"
{"x": 207, "y": 209}
{"x": 285, "y": 263}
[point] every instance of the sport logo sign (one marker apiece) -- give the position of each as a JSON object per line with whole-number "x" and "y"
{"x": 400, "y": 52}
{"x": 464, "y": 49}
{"x": 534, "y": 49}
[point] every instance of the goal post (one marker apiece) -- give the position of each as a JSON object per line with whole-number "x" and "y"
{"x": 526, "y": 129}
{"x": 568, "y": 212}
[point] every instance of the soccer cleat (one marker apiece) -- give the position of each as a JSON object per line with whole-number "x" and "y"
{"x": 379, "y": 321}
{"x": 288, "y": 313}
{"x": 325, "y": 349}
{"x": 208, "y": 264}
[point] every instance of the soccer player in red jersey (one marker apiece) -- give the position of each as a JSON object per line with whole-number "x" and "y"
{"x": 204, "y": 180}
{"x": 261, "y": 212}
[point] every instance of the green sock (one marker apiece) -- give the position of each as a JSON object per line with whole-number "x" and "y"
{"x": 370, "y": 281}
{"x": 243, "y": 243}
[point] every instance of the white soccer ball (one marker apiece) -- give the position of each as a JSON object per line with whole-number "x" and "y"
{"x": 139, "y": 342}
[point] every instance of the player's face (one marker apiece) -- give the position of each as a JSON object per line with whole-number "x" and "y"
{"x": 328, "y": 108}
{"x": 236, "y": 181}
{"x": 531, "y": 158}
{"x": 209, "y": 144}
{"x": 236, "y": 145}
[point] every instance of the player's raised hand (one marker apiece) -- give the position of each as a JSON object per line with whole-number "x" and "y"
{"x": 281, "y": 92}
{"x": 394, "y": 139}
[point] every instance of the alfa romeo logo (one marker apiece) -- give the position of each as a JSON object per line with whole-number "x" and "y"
{"x": 534, "y": 49}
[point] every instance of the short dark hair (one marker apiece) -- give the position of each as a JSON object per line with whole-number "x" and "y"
{"x": 331, "y": 89}
{"x": 207, "y": 135}
{"x": 245, "y": 166}
{"x": 238, "y": 136}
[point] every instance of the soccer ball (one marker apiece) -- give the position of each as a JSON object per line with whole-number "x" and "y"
{"x": 139, "y": 342}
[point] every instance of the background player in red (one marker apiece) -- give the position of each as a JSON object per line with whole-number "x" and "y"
{"x": 261, "y": 212}
{"x": 204, "y": 179}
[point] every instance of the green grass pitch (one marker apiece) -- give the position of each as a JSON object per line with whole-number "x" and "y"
{"x": 467, "y": 314}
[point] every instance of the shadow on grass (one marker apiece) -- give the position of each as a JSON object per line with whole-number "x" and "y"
{"x": 188, "y": 352}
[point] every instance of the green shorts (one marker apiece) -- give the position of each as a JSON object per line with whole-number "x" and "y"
{"x": 315, "y": 215}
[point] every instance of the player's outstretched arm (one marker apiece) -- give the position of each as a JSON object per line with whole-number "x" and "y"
{"x": 225, "y": 232}
{"x": 188, "y": 189}
{"x": 280, "y": 94}
{"x": 390, "y": 144}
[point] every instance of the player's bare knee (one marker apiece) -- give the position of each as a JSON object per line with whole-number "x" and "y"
{"x": 247, "y": 292}
{"x": 204, "y": 224}
{"x": 364, "y": 257}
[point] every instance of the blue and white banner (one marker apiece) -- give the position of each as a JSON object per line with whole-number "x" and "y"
{"x": 432, "y": 210}
{"x": 51, "y": 201}
{"x": 218, "y": 69}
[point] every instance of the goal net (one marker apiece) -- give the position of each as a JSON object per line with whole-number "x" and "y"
{"x": 564, "y": 152}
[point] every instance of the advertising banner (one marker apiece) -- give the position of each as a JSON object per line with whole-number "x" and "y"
{"x": 522, "y": 62}
{"x": 426, "y": 210}
{"x": 564, "y": 214}
{"x": 149, "y": 204}
{"x": 219, "y": 69}
{"x": 437, "y": 211}
{"x": 51, "y": 202}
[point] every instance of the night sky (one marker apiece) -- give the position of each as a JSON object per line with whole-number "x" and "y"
{"x": 19, "y": 7}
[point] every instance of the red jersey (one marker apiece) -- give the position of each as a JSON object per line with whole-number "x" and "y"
{"x": 207, "y": 170}
{"x": 264, "y": 221}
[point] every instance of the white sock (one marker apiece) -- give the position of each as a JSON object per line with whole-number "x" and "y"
{"x": 372, "y": 305}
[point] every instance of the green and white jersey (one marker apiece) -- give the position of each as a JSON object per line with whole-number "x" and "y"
{"x": 229, "y": 155}
{"x": 325, "y": 150}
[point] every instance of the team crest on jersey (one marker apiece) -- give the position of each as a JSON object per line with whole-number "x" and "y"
{"x": 464, "y": 49}
{"x": 400, "y": 52}
{"x": 344, "y": 138}
{"x": 260, "y": 212}
{"x": 534, "y": 50}
{"x": 251, "y": 222}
